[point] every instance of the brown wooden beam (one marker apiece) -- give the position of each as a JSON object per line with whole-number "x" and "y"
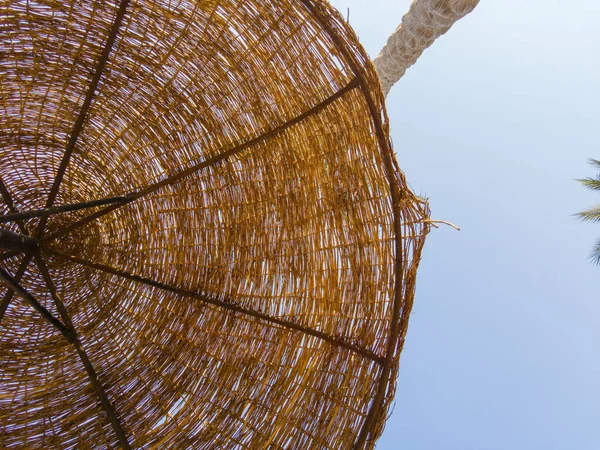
{"x": 84, "y": 109}
{"x": 208, "y": 162}
{"x": 10, "y": 293}
{"x": 228, "y": 305}
{"x": 16, "y": 242}
{"x": 89, "y": 368}
{"x": 6, "y": 196}
{"x": 10, "y": 204}
{"x": 60, "y": 209}
{"x": 23, "y": 293}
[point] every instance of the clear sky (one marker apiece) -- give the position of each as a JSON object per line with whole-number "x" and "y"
{"x": 493, "y": 124}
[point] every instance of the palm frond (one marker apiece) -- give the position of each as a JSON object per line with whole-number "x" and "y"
{"x": 593, "y": 184}
{"x": 595, "y": 255}
{"x": 594, "y": 162}
{"x": 590, "y": 215}
{"x": 593, "y": 214}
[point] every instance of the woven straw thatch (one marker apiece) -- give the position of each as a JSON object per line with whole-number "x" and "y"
{"x": 245, "y": 275}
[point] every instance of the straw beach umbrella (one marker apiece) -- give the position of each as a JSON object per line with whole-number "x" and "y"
{"x": 206, "y": 239}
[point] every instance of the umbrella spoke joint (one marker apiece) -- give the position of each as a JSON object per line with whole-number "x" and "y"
{"x": 17, "y": 242}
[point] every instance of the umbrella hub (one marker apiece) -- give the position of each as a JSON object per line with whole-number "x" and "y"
{"x": 17, "y": 242}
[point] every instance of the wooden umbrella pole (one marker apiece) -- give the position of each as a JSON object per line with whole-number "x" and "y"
{"x": 426, "y": 21}
{"x": 45, "y": 212}
{"x": 17, "y": 242}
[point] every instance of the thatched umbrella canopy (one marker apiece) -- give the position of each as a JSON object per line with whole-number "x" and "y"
{"x": 209, "y": 238}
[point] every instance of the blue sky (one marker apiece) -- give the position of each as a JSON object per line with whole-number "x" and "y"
{"x": 493, "y": 124}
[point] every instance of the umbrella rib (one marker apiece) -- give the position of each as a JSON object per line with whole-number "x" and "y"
{"x": 225, "y": 304}
{"x": 23, "y": 293}
{"x": 60, "y": 209}
{"x": 84, "y": 109}
{"x": 72, "y": 141}
{"x": 7, "y": 197}
{"x": 17, "y": 278}
{"x": 354, "y": 83}
{"x": 91, "y": 372}
{"x": 10, "y": 204}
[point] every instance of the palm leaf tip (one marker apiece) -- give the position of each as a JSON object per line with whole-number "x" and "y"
{"x": 590, "y": 215}
{"x": 593, "y": 214}
{"x": 594, "y": 162}
{"x": 592, "y": 184}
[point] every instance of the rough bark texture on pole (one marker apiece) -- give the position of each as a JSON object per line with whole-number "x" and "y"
{"x": 424, "y": 23}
